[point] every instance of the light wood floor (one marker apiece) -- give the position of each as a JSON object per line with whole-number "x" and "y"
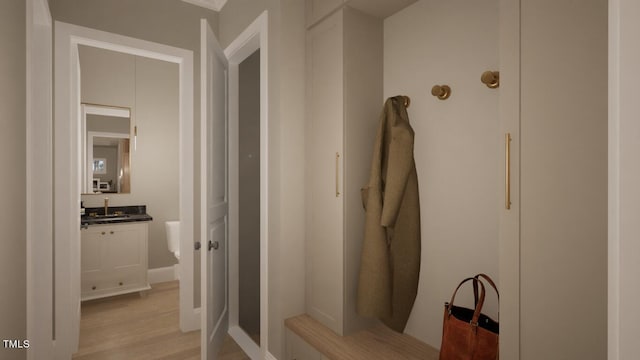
{"x": 134, "y": 327}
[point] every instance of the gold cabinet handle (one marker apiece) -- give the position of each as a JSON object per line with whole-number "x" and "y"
{"x": 337, "y": 174}
{"x": 507, "y": 171}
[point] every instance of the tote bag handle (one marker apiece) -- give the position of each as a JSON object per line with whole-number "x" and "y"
{"x": 478, "y": 305}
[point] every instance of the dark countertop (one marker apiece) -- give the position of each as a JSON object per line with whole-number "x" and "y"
{"x": 117, "y": 214}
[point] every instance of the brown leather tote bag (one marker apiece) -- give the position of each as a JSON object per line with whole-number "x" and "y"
{"x": 468, "y": 334}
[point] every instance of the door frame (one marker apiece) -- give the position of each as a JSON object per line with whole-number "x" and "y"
{"x": 254, "y": 37}
{"x": 39, "y": 195}
{"x": 67, "y": 175}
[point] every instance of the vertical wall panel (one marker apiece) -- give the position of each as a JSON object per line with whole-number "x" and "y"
{"x": 564, "y": 180}
{"x": 12, "y": 182}
{"x": 624, "y": 251}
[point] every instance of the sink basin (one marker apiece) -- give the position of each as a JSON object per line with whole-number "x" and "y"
{"x": 111, "y": 216}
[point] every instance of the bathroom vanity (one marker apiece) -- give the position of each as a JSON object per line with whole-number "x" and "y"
{"x": 114, "y": 251}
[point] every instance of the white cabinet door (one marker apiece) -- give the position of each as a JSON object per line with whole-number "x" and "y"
{"x": 344, "y": 92}
{"x": 126, "y": 250}
{"x": 563, "y": 194}
{"x": 92, "y": 262}
{"x": 325, "y": 172}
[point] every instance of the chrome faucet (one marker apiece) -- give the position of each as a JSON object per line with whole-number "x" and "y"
{"x": 106, "y": 206}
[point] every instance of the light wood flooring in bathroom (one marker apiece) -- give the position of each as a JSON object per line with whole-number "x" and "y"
{"x": 135, "y": 327}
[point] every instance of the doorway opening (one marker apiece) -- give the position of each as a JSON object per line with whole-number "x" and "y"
{"x": 129, "y": 150}
{"x": 67, "y": 173}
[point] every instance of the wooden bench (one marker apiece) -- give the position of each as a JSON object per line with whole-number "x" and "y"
{"x": 378, "y": 342}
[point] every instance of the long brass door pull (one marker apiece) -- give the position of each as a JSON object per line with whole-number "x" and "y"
{"x": 337, "y": 174}
{"x": 507, "y": 170}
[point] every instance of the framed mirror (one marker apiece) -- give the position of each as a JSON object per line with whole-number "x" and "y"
{"x": 106, "y": 144}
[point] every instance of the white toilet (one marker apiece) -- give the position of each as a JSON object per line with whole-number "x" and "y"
{"x": 173, "y": 241}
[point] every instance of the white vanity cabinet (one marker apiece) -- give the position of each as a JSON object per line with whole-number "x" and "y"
{"x": 113, "y": 259}
{"x": 344, "y": 99}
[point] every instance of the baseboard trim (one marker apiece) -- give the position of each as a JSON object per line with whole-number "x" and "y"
{"x": 162, "y": 274}
{"x": 244, "y": 341}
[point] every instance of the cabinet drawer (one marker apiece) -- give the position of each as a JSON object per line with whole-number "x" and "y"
{"x": 129, "y": 275}
{"x": 91, "y": 285}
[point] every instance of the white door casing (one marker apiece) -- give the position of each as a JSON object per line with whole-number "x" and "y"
{"x": 67, "y": 176}
{"x": 39, "y": 197}
{"x": 214, "y": 192}
{"x": 253, "y": 38}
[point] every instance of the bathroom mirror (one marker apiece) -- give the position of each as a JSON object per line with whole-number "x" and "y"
{"x": 106, "y": 144}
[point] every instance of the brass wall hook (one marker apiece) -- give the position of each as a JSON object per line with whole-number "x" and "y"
{"x": 491, "y": 79}
{"x": 442, "y": 92}
{"x": 407, "y": 101}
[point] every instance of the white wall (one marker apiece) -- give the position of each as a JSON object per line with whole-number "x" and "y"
{"x": 13, "y": 178}
{"x": 286, "y": 151}
{"x": 288, "y": 257}
{"x": 112, "y": 124}
{"x": 150, "y": 88}
{"x": 624, "y": 177}
{"x": 456, "y": 145}
{"x": 236, "y": 15}
{"x": 107, "y": 77}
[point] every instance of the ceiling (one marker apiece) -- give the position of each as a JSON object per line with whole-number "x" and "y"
{"x": 215, "y": 5}
{"x": 378, "y": 8}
